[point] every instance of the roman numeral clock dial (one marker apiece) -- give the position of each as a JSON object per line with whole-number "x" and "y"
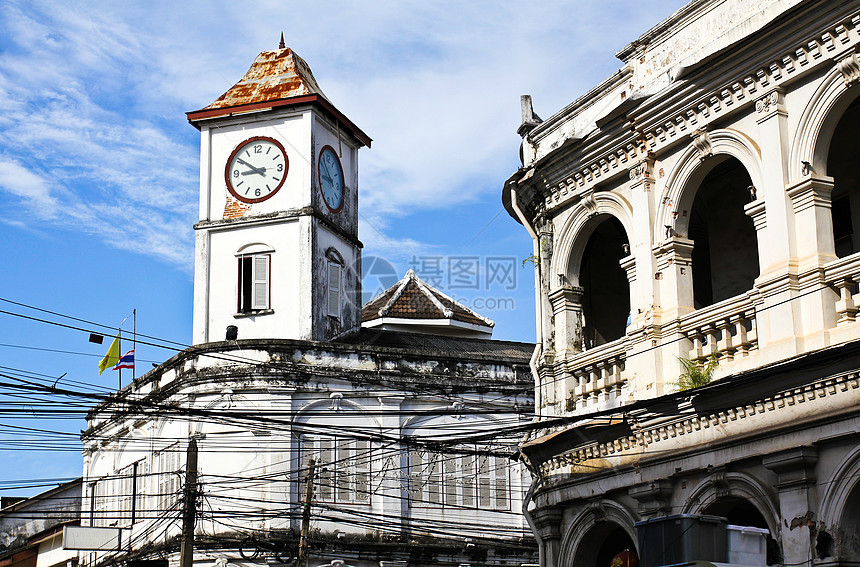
{"x": 257, "y": 168}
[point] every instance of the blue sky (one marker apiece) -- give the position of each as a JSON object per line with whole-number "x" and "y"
{"x": 98, "y": 166}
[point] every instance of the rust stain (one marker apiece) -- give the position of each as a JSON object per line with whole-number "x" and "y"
{"x": 274, "y": 75}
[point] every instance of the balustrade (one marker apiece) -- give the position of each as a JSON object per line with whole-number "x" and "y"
{"x": 844, "y": 275}
{"x": 726, "y": 329}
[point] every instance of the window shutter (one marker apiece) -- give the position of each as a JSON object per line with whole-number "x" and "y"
{"x": 362, "y": 470}
{"x": 334, "y": 289}
{"x": 261, "y": 282}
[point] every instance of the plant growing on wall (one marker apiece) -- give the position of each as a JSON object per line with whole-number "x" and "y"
{"x": 692, "y": 375}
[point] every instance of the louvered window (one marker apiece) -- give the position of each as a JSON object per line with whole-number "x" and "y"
{"x": 452, "y": 480}
{"x": 334, "y": 286}
{"x": 254, "y": 288}
{"x": 342, "y": 471}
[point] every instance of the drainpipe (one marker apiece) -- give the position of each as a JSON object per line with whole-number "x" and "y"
{"x": 512, "y": 184}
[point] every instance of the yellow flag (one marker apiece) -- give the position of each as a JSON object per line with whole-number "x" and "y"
{"x": 112, "y": 356}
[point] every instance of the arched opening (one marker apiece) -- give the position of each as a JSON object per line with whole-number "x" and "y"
{"x": 606, "y": 291}
{"x": 849, "y": 526}
{"x": 842, "y": 160}
{"x": 602, "y": 542}
{"x": 741, "y": 512}
{"x": 725, "y": 248}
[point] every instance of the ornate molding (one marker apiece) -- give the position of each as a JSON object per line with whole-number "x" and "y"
{"x": 767, "y": 103}
{"x": 702, "y": 143}
{"x": 849, "y": 66}
{"x": 742, "y": 90}
{"x": 830, "y": 387}
{"x": 642, "y": 170}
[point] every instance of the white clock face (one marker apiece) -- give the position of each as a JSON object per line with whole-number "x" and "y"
{"x": 257, "y": 168}
{"x": 331, "y": 179}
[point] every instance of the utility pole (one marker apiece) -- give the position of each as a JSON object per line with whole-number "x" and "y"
{"x": 186, "y": 550}
{"x": 306, "y": 516}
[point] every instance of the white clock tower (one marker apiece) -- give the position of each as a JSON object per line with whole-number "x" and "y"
{"x": 277, "y": 253}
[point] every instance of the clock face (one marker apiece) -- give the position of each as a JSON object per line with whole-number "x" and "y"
{"x": 257, "y": 168}
{"x": 331, "y": 179}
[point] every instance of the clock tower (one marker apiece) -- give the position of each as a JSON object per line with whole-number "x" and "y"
{"x": 277, "y": 253}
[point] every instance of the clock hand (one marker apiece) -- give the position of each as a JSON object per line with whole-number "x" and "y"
{"x": 260, "y": 170}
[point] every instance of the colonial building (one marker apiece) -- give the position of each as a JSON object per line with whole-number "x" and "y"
{"x": 700, "y": 205}
{"x": 397, "y": 437}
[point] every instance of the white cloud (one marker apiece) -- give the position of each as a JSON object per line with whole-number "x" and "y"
{"x": 20, "y": 180}
{"x": 92, "y": 97}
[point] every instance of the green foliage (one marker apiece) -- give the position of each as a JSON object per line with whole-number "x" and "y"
{"x": 693, "y": 376}
{"x": 533, "y": 259}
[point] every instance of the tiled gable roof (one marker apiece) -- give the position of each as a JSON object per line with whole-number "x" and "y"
{"x": 413, "y": 298}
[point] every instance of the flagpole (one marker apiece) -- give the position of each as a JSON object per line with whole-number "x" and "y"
{"x": 134, "y": 344}
{"x": 119, "y": 335}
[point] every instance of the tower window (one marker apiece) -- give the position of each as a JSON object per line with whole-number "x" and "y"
{"x": 254, "y": 289}
{"x": 334, "y": 287}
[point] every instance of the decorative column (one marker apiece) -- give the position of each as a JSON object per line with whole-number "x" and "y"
{"x": 795, "y": 469}
{"x": 779, "y": 319}
{"x": 675, "y": 278}
{"x": 811, "y": 202}
{"x": 546, "y": 523}
{"x": 566, "y": 304}
{"x": 653, "y": 498}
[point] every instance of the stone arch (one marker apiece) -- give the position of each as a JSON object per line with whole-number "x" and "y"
{"x": 811, "y": 143}
{"x": 589, "y": 315}
{"x": 692, "y": 167}
{"x": 335, "y": 402}
{"x": 840, "y": 512}
{"x": 578, "y": 546}
{"x": 733, "y": 485}
{"x": 839, "y": 489}
{"x": 576, "y": 231}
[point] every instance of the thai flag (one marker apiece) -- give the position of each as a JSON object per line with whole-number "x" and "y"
{"x": 125, "y": 361}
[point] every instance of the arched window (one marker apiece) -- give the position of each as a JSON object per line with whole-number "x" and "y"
{"x": 725, "y": 247}
{"x": 606, "y": 291}
{"x": 842, "y": 160}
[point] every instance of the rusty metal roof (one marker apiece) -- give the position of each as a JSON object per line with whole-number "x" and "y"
{"x": 276, "y": 79}
{"x": 274, "y": 75}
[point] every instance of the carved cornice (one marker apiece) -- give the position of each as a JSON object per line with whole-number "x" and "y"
{"x": 740, "y": 91}
{"x": 642, "y": 440}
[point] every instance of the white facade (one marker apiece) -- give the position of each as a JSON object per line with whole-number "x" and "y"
{"x": 382, "y": 424}
{"x": 408, "y": 433}
{"x": 293, "y": 228}
{"x": 701, "y": 204}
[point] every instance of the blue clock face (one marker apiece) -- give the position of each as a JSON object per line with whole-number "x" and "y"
{"x": 331, "y": 179}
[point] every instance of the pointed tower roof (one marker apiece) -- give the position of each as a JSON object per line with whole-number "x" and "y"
{"x": 414, "y": 305}
{"x": 277, "y": 78}
{"x": 274, "y": 75}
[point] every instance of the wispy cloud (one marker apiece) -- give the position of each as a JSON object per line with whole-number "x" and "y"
{"x": 92, "y": 99}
